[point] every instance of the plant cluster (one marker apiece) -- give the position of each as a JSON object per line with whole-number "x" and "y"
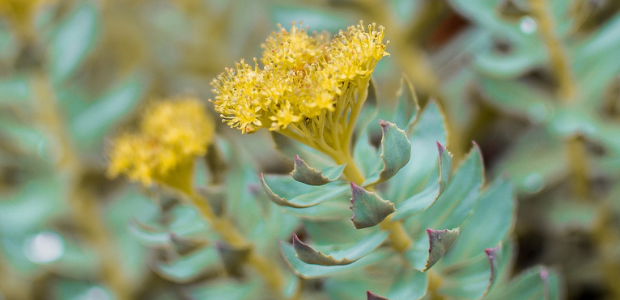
{"x": 329, "y": 175}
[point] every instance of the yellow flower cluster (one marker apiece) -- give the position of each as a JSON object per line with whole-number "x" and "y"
{"x": 303, "y": 77}
{"x": 171, "y": 134}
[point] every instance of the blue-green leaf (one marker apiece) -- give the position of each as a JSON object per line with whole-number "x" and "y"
{"x": 488, "y": 225}
{"x": 190, "y": 266}
{"x": 337, "y": 208}
{"x": 368, "y": 208}
{"x": 457, "y": 201}
{"x": 429, "y": 195}
{"x": 74, "y": 39}
{"x": 372, "y": 296}
{"x": 302, "y": 172}
{"x": 301, "y": 195}
{"x": 407, "y": 106}
{"x": 533, "y": 284}
{"x": 306, "y": 270}
{"x": 395, "y": 152}
{"x": 426, "y": 251}
{"x": 93, "y": 123}
{"x": 339, "y": 256}
{"x": 415, "y": 176}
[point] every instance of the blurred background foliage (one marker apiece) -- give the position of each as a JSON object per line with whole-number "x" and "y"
{"x": 535, "y": 82}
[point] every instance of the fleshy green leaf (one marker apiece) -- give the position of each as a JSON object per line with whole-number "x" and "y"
{"x": 429, "y": 195}
{"x": 372, "y": 296}
{"x": 410, "y": 284}
{"x": 340, "y": 256}
{"x": 535, "y": 283}
{"x": 306, "y": 270}
{"x": 365, "y": 155}
{"x": 93, "y": 123}
{"x": 488, "y": 225}
{"x": 368, "y": 208}
{"x": 533, "y": 102}
{"x": 494, "y": 260}
{"x": 149, "y": 236}
{"x": 308, "y": 175}
{"x": 73, "y": 40}
{"x": 227, "y": 289}
{"x": 191, "y": 266}
{"x": 334, "y": 209}
{"x": 415, "y": 176}
{"x": 445, "y": 163}
{"x": 426, "y": 251}
{"x": 336, "y": 232}
{"x": 440, "y": 241}
{"x": 467, "y": 281}
{"x": 457, "y": 201}
{"x": 311, "y": 256}
{"x": 233, "y": 258}
{"x": 407, "y": 106}
{"x": 395, "y": 152}
{"x": 302, "y": 194}
{"x": 187, "y": 224}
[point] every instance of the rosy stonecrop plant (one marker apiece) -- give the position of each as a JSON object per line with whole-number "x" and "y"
{"x": 393, "y": 221}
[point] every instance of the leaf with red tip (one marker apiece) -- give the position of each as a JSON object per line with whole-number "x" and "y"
{"x": 494, "y": 260}
{"x": 421, "y": 170}
{"x": 395, "y": 152}
{"x": 308, "y": 255}
{"x": 331, "y": 257}
{"x": 534, "y": 283}
{"x": 368, "y": 208}
{"x": 440, "y": 242}
{"x": 303, "y": 195}
{"x": 306, "y": 270}
{"x": 426, "y": 251}
{"x": 429, "y": 195}
{"x": 302, "y": 172}
{"x": 407, "y": 106}
{"x": 456, "y": 203}
{"x": 372, "y": 296}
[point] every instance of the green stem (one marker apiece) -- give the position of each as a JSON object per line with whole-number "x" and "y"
{"x": 225, "y": 229}
{"x": 397, "y": 234}
{"x": 559, "y": 61}
{"x": 84, "y": 208}
{"x": 577, "y": 158}
{"x": 607, "y": 237}
{"x": 434, "y": 282}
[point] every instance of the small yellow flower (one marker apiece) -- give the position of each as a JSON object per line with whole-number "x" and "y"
{"x": 308, "y": 85}
{"x": 171, "y": 135}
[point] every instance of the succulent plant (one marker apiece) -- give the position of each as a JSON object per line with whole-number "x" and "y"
{"x": 456, "y": 231}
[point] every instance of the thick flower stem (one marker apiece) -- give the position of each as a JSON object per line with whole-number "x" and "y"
{"x": 576, "y": 155}
{"x": 85, "y": 211}
{"x": 224, "y": 227}
{"x": 434, "y": 282}
{"x": 398, "y": 236}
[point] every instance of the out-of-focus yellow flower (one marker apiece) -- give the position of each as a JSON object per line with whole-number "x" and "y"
{"x": 171, "y": 135}
{"x": 308, "y": 85}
